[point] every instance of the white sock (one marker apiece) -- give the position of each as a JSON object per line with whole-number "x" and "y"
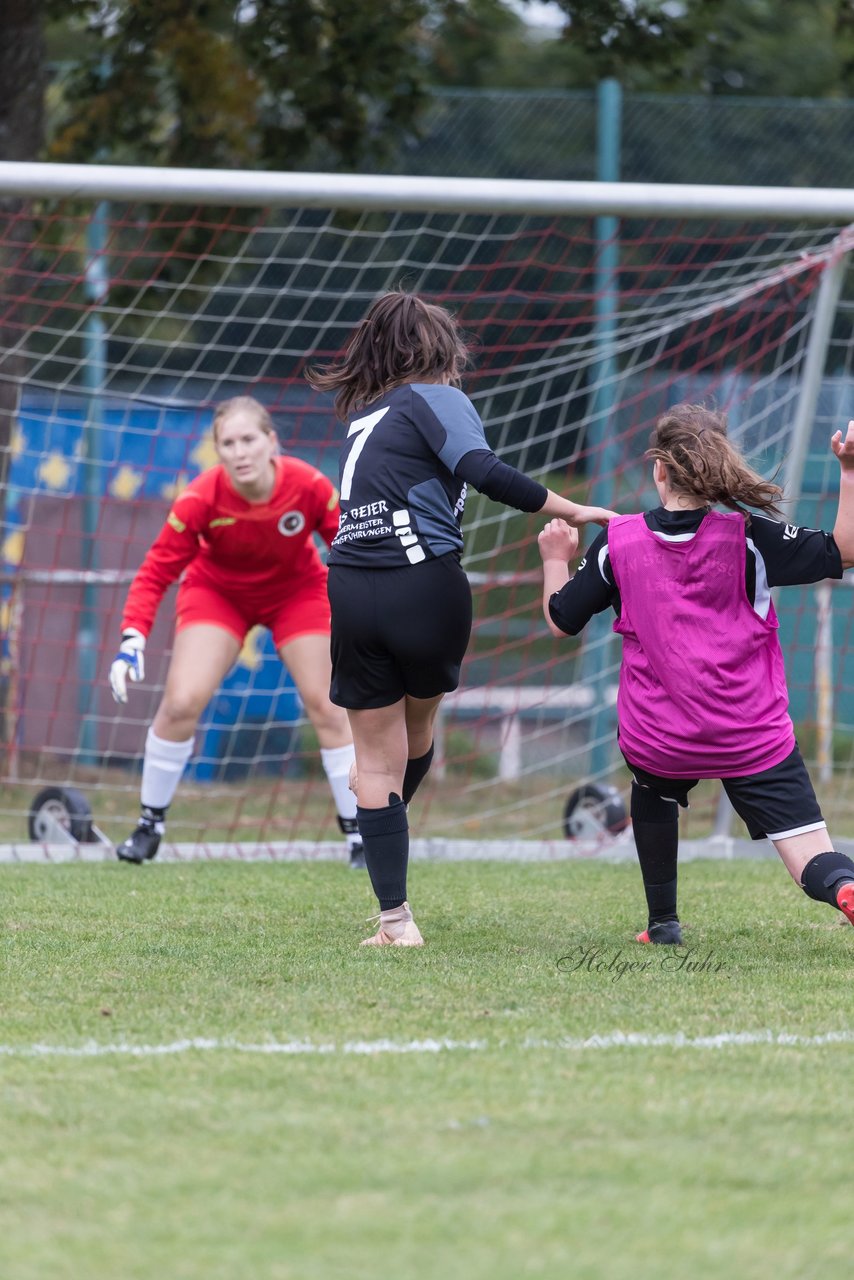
{"x": 336, "y": 765}
{"x": 162, "y": 768}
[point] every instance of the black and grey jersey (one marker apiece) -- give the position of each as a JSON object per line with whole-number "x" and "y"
{"x": 777, "y": 555}
{"x": 405, "y": 467}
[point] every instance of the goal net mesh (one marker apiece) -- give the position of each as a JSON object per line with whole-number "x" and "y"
{"x": 125, "y": 325}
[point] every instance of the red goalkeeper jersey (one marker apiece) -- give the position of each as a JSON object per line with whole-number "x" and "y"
{"x": 247, "y": 550}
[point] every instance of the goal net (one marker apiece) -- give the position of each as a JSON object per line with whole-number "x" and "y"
{"x": 126, "y": 323}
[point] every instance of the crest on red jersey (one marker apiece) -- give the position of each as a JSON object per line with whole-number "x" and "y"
{"x": 291, "y": 522}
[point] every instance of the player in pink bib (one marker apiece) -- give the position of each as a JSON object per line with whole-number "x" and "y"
{"x": 702, "y": 690}
{"x": 702, "y": 684}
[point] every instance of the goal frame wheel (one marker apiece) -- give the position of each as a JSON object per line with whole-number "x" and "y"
{"x": 593, "y": 811}
{"x": 60, "y": 813}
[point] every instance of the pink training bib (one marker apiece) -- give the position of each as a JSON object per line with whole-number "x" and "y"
{"x": 702, "y": 683}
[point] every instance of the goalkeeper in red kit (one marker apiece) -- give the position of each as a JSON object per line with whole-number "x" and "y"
{"x": 241, "y": 535}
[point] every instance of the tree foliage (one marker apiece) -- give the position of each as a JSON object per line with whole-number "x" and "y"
{"x": 223, "y": 83}
{"x": 797, "y": 49}
{"x": 261, "y": 83}
{"x": 291, "y": 84}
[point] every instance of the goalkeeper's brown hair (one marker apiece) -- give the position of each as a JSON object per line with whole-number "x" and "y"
{"x": 691, "y": 441}
{"x": 401, "y": 339}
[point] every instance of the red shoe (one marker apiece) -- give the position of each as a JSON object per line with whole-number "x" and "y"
{"x": 667, "y": 933}
{"x": 845, "y": 900}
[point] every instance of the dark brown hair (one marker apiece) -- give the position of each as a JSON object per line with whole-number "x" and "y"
{"x": 401, "y": 339}
{"x": 242, "y": 404}
{"x": 692, "y": 443}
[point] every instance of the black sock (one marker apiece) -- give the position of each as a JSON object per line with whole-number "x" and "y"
{"x": 655, "y": 824}
{"x": 417, "y": 768}
{"x": 823, "y": 874}
{"x": 385, "y": 836}
{"x": 149, "y": 817}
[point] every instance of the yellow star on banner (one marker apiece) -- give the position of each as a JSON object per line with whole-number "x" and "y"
{"x": 18, "y": 443}
{"x": 170, "y": 491}
{"x": 250, "y": 655}
{"x": 55, "y": 471}
{"x": 13, "y": 547}
{"x": 126, "y": 483}
{"x": 204, "y": 455}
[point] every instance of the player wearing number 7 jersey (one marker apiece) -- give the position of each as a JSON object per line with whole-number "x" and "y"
{"x": 401, "y": 603}
{"x": 241, "y": 535}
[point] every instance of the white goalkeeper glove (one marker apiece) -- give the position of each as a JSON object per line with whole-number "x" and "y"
{"x": 127, "y": 664}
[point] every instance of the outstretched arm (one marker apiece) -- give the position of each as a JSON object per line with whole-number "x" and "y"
{"x": 170, "y": 553}
{"x": 843, "y": 529}
{"x": 166, "y": 559}
{"x": 574, "y": 513}
{"x": 558, "y": 543}
{"x": 451, "y": 427}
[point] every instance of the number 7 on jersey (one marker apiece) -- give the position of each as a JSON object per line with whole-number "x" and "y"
{"x": 363, "y": 428}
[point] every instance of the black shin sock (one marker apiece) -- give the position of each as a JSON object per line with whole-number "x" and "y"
{"x": 823, "y": 874}
{"x": 417, "y": 768}
{"x": 152, "y": 818}
{"x": 655, "y": 824}
{"x": 385, "y": 836}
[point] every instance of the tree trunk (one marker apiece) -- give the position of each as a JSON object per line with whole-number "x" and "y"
{"x": 21, "y": 123}
{"x": 22, "y": 72}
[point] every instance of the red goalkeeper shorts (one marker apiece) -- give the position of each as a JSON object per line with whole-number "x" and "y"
{"x": 302, "y": 610}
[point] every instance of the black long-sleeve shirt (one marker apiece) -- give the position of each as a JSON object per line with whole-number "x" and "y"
{"x": 778, "y": 555}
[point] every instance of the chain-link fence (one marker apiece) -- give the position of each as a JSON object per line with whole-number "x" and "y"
{"x": 664, "y": 138}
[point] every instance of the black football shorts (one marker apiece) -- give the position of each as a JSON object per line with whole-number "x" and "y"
{"x": 777, "y": 803}
{"x": 397, "y": 631}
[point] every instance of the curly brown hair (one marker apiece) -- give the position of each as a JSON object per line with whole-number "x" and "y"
{"x": 401, "y": 339}
{"x": 691, "y": 441}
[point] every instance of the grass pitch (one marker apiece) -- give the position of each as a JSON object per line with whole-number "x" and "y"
{"x": 462, "y": 1111}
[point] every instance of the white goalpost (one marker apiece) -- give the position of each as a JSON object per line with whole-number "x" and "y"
{"x": 133, "y": 300}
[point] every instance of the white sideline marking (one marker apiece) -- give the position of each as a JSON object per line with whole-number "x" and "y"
{"x": 433, "y": 849}
{"x": 371, "y": 1048}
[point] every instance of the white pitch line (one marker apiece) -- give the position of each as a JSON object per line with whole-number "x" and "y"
{"x": 370, "y": 1048}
